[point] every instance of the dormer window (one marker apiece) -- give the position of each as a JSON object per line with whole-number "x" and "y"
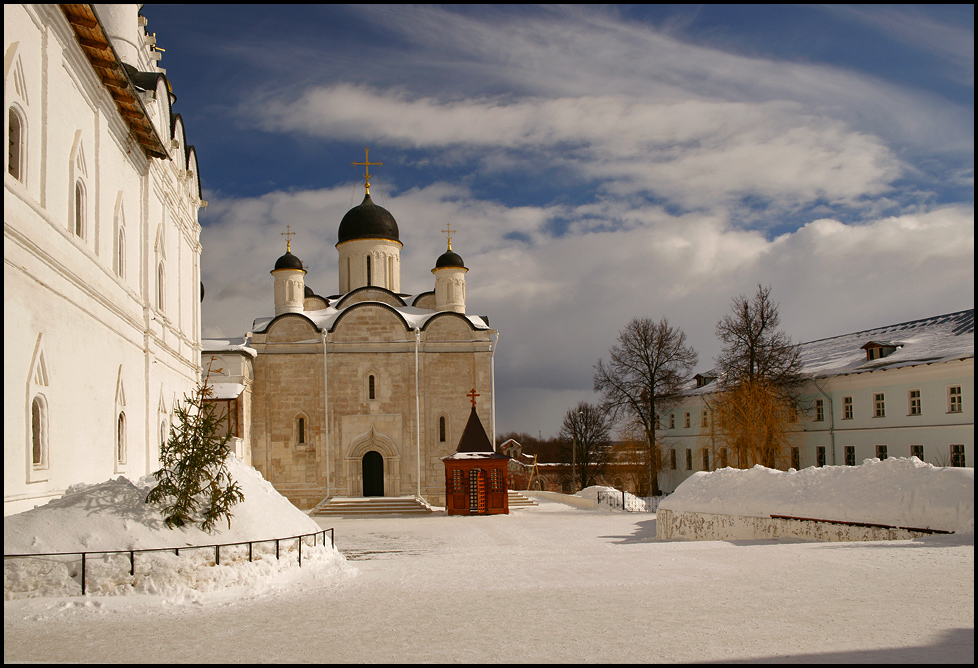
{"x": 876, "y": 350}
{"x": 702, "y": 380}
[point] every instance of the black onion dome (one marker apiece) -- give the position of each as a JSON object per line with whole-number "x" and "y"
{"x": 449, "y": 259}
{"x": 288, "y": 261}
{"x": 368, "y": 221}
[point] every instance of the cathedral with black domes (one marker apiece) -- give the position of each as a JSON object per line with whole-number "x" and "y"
{"x": 359, "y": 394}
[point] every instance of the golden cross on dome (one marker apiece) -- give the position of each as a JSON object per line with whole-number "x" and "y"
{"x": 472, "y": 395}
{"x": 288, "y": 234}
{"x": 449, "y": 232}
{"x": 367, "y": 164}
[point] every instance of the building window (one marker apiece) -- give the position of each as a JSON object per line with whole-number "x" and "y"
{"x": 39, "y": 459}
{"x": 689, "y": 459}
{"x": 917, "y": 451}
{"x": 441, "y": 430}
{"x": 704, "y": 422}
{"x": 913, "y": 398}
{"x": 160, "y": 287}
{"x": 846, "y": 408}
{"x": 881, "y": 452}
{"x": 850, "y": 452}
{"x": 672, "y": 421}
{"x": 820, "y": 456}
{"x": 687, "y": 419}
{"x": 371, "y": 388}
{"x": 706, "y": 459}
{"x": 819, "y": 411}
{"x": 954, "y": 399}
{"x": 672, "y": 459}
{"x": 723, "y": 458}
{"x": 120, "y": 439}
{"x": 795, "y": 459}
{"x": 957, "y": 456}
{"x": 879, "y": 405}
{"x": 300, "y": 431}
{"x": 16, "y": 152}
{"x": 368, "y": 271}
{"x": 79, "y": 210}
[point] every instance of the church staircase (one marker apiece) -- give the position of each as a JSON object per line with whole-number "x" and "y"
{"x": 517, "y": 500}
{"x": 371, "y": 505}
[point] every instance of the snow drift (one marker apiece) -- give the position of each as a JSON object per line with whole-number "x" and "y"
{"x": 896, "y": 492}
{"x": 113, "y": 515}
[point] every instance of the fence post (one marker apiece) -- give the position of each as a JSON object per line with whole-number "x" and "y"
{"x": 300, "y": 551}
{"x": 132, "y": 562}
{"x": 276, "y": 548}
{"x": 249, "y": 551}
{"x": 217, "y": 555}
{"x": 83, "y": 573}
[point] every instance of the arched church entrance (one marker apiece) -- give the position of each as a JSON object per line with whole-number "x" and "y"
{"x": 373, "y": 474}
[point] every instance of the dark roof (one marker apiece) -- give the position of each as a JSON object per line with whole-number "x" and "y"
{"x": 475, "y": 440}
{"x": 288, "y": 261}
{"x": 367, "y": 221}
{"x": 449, "y": 259}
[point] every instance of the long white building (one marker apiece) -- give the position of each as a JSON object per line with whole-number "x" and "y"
{"x": 101, "y": 250}
{"x": 897, "y": 391}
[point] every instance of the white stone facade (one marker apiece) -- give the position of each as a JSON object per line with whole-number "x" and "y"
{"x": 919, "y": 401}
{"x": 101, "y": 252}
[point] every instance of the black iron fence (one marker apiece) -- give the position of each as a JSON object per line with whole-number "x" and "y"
{"x": 629, "y": 502}
{"x": 176, "y": 550}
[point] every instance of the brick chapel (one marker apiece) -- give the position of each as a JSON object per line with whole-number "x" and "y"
{"x": 361, "y": 393}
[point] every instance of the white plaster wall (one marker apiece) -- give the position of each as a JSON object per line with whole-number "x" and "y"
{"x": 64, "y": 299}
{"x": 385, "y": 264}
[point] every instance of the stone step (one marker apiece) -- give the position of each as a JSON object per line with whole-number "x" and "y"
{"x": 517, "y": 500}
{"x": 372, "y": 505}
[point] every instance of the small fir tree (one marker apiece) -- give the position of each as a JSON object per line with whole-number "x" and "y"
{"x": 193, "y": 483}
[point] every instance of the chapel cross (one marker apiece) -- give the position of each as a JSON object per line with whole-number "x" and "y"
{"x": 367, "y": 164}
{"x": 472, "y": 395}
{"x": 449, "y": 232}
{"x": 288, "y": 234}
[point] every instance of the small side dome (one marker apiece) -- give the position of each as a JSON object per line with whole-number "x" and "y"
{"x": 288, "y": 261}
{"x": 449, "y": 259}
{"x": 368, "y": 221}
{"x": 308, "y": 292}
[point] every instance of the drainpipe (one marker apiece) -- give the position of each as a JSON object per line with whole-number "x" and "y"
{"x": 326, "y": 411}
{"x": 831, "y": 419}
{"x": 417, "y": 402}
{"x": 492, "y": 382}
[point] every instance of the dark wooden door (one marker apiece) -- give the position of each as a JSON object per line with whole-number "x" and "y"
{"x": 373, "y": 474}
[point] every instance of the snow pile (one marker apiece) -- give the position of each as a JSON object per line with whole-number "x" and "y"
{"x": 896, "y": 492}
{"x": 113, "y": 515}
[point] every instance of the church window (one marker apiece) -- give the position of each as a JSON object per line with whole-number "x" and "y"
{"x": 16, "y": 152}
{"x": 39, "y": 433}
{"x": 441, "y": 430}
{"x": 689, "y": 459}
{"x": 371, "y": 388}
{"x": 79, "y": 210}
{"x": 368, "y": 273}
{"x": 120, "y": 439}
{"x": 160, "y": 284}
{"x": 301, "y": 431}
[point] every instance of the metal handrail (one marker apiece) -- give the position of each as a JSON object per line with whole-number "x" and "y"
{"x": 176, "y": 550}
{"x": 636, "y": 504}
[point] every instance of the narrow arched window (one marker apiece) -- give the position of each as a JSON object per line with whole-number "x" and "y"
{"x": 120, "y": 439}
{"x": 371, "y": 388}
{"x": 301, "y": 431}
{"x": 160, "y": 292}
{"x": 79, "y": 210}
{"x": 38, "y": 420}
{"x": 368, "y": 271}
{"x": 16, "y": 145}
{"x": 441, "y": 429}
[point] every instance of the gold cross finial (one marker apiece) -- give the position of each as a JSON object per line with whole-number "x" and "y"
{"x": 472, "y": 395}
{"x": 366, "y": 163}
{"x": 449, "y": 232}
{"x": 288, "y": 234}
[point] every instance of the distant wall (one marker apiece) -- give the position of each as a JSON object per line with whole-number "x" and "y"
{"x": 569, "y": 499}
{"x": 671, "y": 525}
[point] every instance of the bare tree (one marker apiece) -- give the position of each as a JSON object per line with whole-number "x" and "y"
{"x": 586, "y": 430}
{"x": 759, "y": 375}
{"x": 643, "y": 377}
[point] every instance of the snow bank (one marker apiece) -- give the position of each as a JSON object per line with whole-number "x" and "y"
{"x": 113, "y": 515}
{"x": 897, "y": 492}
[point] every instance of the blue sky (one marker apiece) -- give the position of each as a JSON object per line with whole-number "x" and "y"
{"x": 598, "y": 162}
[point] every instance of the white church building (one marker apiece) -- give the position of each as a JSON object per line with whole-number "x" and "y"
{"x": 901, "y": 390}
{"x": 101, "y": 250}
